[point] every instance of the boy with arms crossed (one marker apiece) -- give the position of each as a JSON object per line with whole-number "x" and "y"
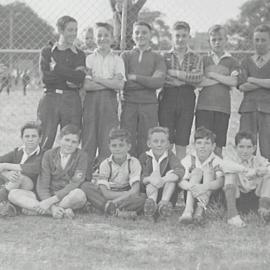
{"x": 107, "y": 75}
{"x": 145, "y": 71}
{"x": 255, "y": 107}
{"x": 161, "y": 170}
{"x": 63, "y": 170}
{"x": 20, "y": 168}
{"x": 118, "y": 183}
{"x": 221, "y": 73}
{"x": 202, "y": 176}
{"x": 177, "y": 102}
{"x": 245, "y": 173}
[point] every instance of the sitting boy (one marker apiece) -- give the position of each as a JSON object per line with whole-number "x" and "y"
{"x": 63, "y": 170}
{"x": 117, "y": 188}
{"x": 20, "y": 168}
{"x": 246, "y": 173}
{"x": 203, "y": 175}
{"x": 161, "y": 170}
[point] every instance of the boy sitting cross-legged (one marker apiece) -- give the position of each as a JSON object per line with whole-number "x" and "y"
{"x": 245, "y": 173}
{"x": 161, "y": 170}
{"x": 117, "y": 189}
{"x": 203, "y": 175}
{"x": 63, "y": 169}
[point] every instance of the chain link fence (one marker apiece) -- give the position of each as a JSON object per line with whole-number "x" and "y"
{"x": 28, "y": 25}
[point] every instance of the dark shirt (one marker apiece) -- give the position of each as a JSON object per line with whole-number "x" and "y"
{"x": 64, "y": 71}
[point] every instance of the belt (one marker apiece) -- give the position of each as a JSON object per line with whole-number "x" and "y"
{"x": 57, "y": 91}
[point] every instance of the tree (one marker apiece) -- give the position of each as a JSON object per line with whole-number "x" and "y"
{"x": 22, "y": 28}
{"x": 252, "y": 13}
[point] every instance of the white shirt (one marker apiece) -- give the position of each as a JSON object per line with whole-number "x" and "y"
{"x": 26, "y": 156}
{"x": 64, "y": 160}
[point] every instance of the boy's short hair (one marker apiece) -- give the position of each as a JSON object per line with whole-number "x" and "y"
{"x": 63, "y": 21}
{"x": 153, "y": 130}
{"x": 143, "y": 23}
{"x": 263, "y": 28}
{"x": 70, "y": 129}
{"x": 203, "y": 132}
{"x": 121, "y": 134}
{"x": 217, "y": 28}
{"x": 181, "y": 25}
{"x": 244, "y": 135}
{"x": 105, "y": 25}
{"x": 31, "y": 125}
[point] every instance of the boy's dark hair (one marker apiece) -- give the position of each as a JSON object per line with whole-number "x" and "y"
{"x": 70, "y": 129}
{"x": 142, "y": 23}
{"x": 263, "y": 28}
{"x": 244, "y": 135}
{"x": 203, "y": 132}
{"x": 105, "y": 25}
{"x": 153, "y": 130}
{"x": 63, "y": 21}
{"x": 217, "y": 28}
{"x": 31, "y": 125}
{"x": 181, "y": 25}
{"x": 121, "y": 134}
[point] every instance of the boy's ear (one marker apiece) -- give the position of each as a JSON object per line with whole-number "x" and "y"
{"x": 148, "y": 143}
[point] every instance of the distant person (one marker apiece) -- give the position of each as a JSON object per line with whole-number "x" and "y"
{"x": 133, "y": 9}
{"x": 221, "y": 72}
{"x": 145, "y": 72}
{"x": 5, "y": 83}
{"x": 19, "y": 169}
{"x": 89, "y": 42}
{"x": 177, "y": 100}
{"x": 255, "y": 84}
{"x": 25, "y": 81}
{"x": 63, "y": 169}
{"x": 62, "y": 71}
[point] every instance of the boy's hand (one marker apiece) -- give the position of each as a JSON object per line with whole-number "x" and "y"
{"x": 72, "y": 85}
{"x": 198, "y": 189}
{"x": 250, "y": 173}
{"x": 13, "y": 176}
{"x": 261, "y": 171}
{"x": 57, "y": 211}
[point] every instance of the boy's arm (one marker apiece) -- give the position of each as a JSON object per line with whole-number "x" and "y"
{"x": 227, "y": 80}
{"x": 207, "y": 82}
{"x": 265, "y": 83}
{"x": 90, "y": 85}
{"x": 77, "y": 178}
{"x": 246, "y": 87}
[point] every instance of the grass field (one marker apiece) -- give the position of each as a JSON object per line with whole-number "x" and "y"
{"x": 95, "y": 242}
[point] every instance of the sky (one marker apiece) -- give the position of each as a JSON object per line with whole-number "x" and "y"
{"x": 200, "y": 14}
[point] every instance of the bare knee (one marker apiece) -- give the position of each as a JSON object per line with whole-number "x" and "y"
{"x": 26, "y": 183}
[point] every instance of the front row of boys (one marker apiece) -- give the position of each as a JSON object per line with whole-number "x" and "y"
{"x": 124, "y": 183}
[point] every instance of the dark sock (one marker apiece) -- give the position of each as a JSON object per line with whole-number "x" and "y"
{"x": 230, "y": 194}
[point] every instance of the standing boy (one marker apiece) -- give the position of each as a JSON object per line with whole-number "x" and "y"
{"x": 202, "y": 176}
{"x": 61, "y": 71}
{"x": 221, "y": 73}
{"x": 161, "y": 170}
{"x": 63, "y": 170}
{"x": 145, "y": 71}
{"x": 177, "y": 100}
{"x": 246, "y": 174}
{"x": 255, "y": 107}
{"x": 20, "y": 168}
{"x": 118, "y": 184}
{"x": 106, "y": 77}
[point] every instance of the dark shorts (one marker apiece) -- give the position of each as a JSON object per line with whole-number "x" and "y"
{"x": 217, "y": 122}
{"x": 247, "y": 202}
{"x": 176, "y": 112}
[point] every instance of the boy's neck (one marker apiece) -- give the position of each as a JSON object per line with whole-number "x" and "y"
{"x": 28, "y": 151}
{"x": 119, "y": 160}
{"x": 181, "y": 51}
{"x": 143, "y": 48}
{"x": 219, "y": 54}
{"x": 203, "y": 159}
{"x": 63, "y": 43}
{"x": 104, "y": 51}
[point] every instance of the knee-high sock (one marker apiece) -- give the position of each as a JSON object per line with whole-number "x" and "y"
{"x": 230, "y": 194}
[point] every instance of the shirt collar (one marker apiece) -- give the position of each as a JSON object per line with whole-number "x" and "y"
{"x": 151, "y": 154}
{"x": 265, "y": 59}
{"x": 60, "y": 47}
{"x": 96, "y": 52}
{"x": 35, "y": 152}
{"x": 146, "y": 50}
{"x": 110, "y": 158}
{"x": 189, "y": 50}
{"x": 210, "y": 158}
{"x": 216, "y": 58}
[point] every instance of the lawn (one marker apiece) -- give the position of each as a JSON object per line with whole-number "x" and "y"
{"x": 91, "y": 241}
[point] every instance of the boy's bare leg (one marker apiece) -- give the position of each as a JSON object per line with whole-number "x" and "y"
{"x": 152, "y": 192}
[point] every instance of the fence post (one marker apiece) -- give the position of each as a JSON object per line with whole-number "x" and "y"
{"x": 124, "y": 25}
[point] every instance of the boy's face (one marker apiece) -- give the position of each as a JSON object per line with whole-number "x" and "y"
{"x": 180, "y": 39}
{"x": 89, "y": 39}
{"x": 30, "y": 139}
{"x": 204, "y": 148}
{"x": 119, "y": 148}
{"x": 218, "y": 42}
{"x": 69, "y": 143}
{"x": 261, "y": 41}
{"x": 245, "y": 149}
{"x": 103, "y": 38}
{"x": 69, "y": 34}
{"x": 159, "y": 143}
{"x": 141, "y": 35}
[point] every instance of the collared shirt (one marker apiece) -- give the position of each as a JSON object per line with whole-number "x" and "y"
{"x": 61, "y": 47}
{"x": 141, "y": 52}
{"x": 119, "y": 177}
{"x": 212, "y": 161}
{"x": 217, "y": 58}
{"x": 26, "y": 156}
{"x": 156, "y": 163}
{"x": 106, "y": 67}
{"x": 64, "y": 160}
{"x": 261, "y": 60}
